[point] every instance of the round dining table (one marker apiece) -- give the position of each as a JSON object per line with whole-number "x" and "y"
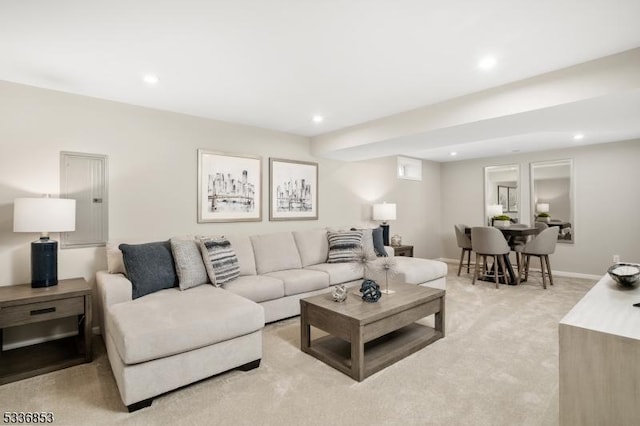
{"x": 509, "y": 233}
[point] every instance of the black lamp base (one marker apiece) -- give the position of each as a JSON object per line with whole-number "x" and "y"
{"x": 385, "y": 233}
{"x": 44, "y": 263}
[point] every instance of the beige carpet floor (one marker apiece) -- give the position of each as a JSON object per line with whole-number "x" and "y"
{"x": 498, "y": 365}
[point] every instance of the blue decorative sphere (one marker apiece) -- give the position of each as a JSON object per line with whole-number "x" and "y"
{"x": 370, "y": 291}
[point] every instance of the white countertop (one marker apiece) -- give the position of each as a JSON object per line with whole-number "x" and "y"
{"x": 609, "y": 309}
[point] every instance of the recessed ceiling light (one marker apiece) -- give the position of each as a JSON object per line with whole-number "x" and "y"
{"x": 453, "y": 153}
{"x": 150, "y": 79}
{"x": 578, "y": 137}
{"x": 487, "y": 63}
{"x": 318, "y": 119}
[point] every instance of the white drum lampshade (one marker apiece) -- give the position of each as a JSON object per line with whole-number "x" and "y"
{"x": 384, "y": 212}
{"x": 542, "y": 207}
{"x": 492, "y": 211}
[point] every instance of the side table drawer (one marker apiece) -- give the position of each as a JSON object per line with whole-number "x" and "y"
{"x": 42, "y": 311}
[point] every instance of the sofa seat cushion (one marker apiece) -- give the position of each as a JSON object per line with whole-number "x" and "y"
{"x": 258, "y": 288}
{"x": 301, "y": 280}
{"x": 340, "y": 272}
{"x": 413, "y": 270}
{"x": 171, "y": 321}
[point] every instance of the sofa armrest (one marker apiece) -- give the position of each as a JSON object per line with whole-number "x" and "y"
{"x": 112, "y": 289}
{"x": 390, "y": 251}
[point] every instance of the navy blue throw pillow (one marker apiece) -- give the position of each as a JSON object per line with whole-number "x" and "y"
{"x": 378, "y": 242}
{"x": 149, "y": 266}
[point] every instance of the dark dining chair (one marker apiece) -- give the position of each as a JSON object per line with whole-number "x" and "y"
{"x": 516, "y": 243}
{"x": 464, "y": 242}
{"x": 488, "y": 241}
{"x": 541, "y": 247}
{"x": 541, "y": 226}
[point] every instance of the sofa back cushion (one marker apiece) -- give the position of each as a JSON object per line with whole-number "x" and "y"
{"x": 244, "y": 250}
{"x": 115, "y": 264}
{"x": 312, "y": 246}
{"x": 275, "y": 252}
{"x": 149, "y": 267}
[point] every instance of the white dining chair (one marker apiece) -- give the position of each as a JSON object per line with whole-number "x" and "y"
{"x": 541, "y": 247}
{"x": 488, "y": 241}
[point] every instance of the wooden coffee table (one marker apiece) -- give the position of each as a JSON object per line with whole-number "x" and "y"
{"x": 365, "y": 337}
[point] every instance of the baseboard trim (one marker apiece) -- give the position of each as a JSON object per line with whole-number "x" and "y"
{"x": 445, "y": 260}
{"x": 554, "y": 272}
{"x": 572, "y": 274}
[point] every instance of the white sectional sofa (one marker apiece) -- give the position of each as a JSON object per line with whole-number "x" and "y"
{"x": 171, "y": 338}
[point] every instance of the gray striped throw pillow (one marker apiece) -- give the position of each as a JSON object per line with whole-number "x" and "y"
{"x": 344, "y": 246}
{"x": 220, "y": 260}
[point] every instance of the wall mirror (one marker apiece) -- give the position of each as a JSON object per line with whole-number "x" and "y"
{"x": 502, "y": 188}
{"x": 552, "y": 196}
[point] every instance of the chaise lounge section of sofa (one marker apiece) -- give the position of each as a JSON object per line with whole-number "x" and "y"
{"x": 170, "y": 338}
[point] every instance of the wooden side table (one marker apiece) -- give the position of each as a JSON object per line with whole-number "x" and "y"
{"x": 21, "y": 304}
{"x": 403, "y": 251}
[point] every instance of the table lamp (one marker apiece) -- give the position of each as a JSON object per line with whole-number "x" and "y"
{"x": 384, "y": 212}
{"x": 492, "y": 211}
{"x": 542, "y": 207}
{"x": 44, "y": 215}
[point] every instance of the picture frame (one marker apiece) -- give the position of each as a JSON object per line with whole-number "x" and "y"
{"x": 503, "y": 197}
{"x": 512, "y": 200}
{"x": 293, "y": 190}
{"x": 508, "y": 198}
{"x": 229, "y": 187}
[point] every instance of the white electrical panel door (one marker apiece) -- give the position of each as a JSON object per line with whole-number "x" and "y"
{"x": 83, "y": 177}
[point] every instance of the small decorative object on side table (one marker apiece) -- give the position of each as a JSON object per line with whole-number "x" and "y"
{"x": 22, "y": 304}
{"x": 403, "y": 251}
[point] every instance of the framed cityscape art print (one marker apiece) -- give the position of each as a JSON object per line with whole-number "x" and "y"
{"x": 293, "y": 190}
{"x": 229, "y": 187}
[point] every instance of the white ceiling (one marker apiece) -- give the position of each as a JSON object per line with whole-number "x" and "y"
{"x": 276, "y": 63}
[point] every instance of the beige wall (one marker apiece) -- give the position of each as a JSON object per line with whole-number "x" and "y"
{"x": 152, "y": 178}
{"x": 153, "y": 175}
{"x": 606, "y": 196}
